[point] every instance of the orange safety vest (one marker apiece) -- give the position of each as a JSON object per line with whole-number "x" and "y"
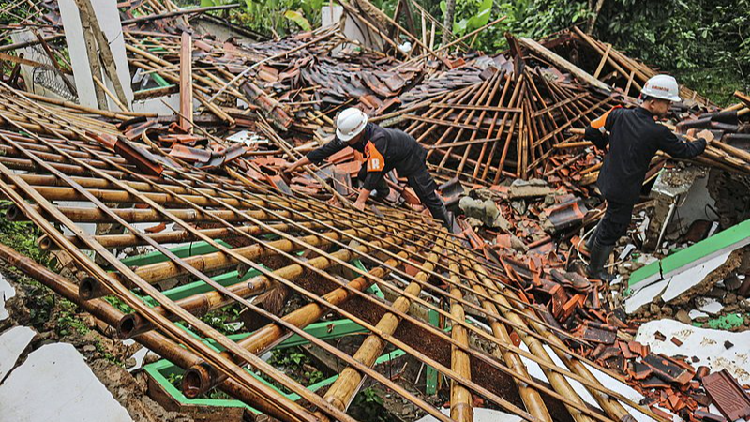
{"x": 375, "y": 162}
{"x": 600, "y": 121}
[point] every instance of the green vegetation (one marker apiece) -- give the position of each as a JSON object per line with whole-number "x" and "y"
{"x": 368, "y": 406}
{"x": 296, "y": 363}
{"x": 226, "y": 320}
{"x": 21, "y": 236}
{"x": 273, "y": 17}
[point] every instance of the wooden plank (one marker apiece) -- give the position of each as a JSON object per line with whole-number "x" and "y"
{"x": 603, "y": 62}
{"x": 561, "y": 104}
{"x": 630, "y": 82}
{"x": 186, "y": 83}
{"x": 561, "y": 63}
{"x": 477, "y": 108}
{"x": 438, "y": 122}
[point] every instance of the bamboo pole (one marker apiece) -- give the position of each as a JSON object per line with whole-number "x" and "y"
{"x": 123, "y": 197}
{"x": 140, "y": 215}
{"x": 128, "y": 240}
{"x": 450, "y": 44}
{"x": 216, "y": 261}
{"x": 186, "y": 83}
{"x": 530, "y": 397}
{"x": 341, "y": 393}
{"x": 557, "y": 380}
{"x": 105, "y": 312}
{"x": 197, "y": 383}
{"x": 75, "y": 106}
{"x": 461, "y": 399}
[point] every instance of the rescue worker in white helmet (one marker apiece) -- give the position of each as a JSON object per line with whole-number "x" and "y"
{"x": 633, "y": 137}
{"x": 384, "y": 150}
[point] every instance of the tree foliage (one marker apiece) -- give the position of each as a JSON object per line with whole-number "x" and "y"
{"x": 705, "y": 43}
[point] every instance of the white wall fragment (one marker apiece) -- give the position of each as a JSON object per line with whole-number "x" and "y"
{"x": 708, "y": 345}
{"x": 109, "y": 21}
{"x": 6, "y": 292}
{"x": 12, "y": 344}
{"x": 480, "y": 415}
{"x": 709, "y": 305}
{"x": 675, "y": 285}
{"x": 55, "y": 384}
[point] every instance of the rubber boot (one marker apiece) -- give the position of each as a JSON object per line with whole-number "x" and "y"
{"x": 380, "y": 193}
{"x": 441, "y": 213}
{"x": 590, "y": 240}
{"x": 449, "y": 221}
{"x": 585, "y": 249}
{"x": 599, "y": 256}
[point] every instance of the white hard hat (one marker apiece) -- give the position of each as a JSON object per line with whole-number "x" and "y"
{"x": 349, "y": 123}
{"x": 662, "y": 86}
{"x": 405, "y": 48}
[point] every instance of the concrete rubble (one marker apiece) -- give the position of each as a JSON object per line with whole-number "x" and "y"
{"x": 141, "y": 188}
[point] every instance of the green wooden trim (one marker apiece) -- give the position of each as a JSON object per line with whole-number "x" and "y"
{"x": 162, "y": 369}
{"x": 157, "y": 88}
{"x": 733, "y": 237}
{"x": 159, "y": 80}
{"x": 431, "y": 374}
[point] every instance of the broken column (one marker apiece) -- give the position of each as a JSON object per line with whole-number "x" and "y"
{"x": 108, "y": 19}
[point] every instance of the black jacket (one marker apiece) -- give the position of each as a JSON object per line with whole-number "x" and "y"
{"x": 394, "y": 148}
{"x": 634, "y": 138}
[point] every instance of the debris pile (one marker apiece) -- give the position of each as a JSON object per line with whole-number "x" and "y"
{"x": 169, "y": 203}
{"x": 504, "y": 126}
{"x": 608, "y": 65}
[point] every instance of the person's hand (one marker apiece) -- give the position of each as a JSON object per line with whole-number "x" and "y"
{"x": 286, "y": 167}
{"x": 359, "y": 205}
{"x": 707, "y": 135}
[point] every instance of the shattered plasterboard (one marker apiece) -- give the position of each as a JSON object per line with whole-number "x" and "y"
{"x": 12, "y": 344}
{"x": 6, "y": 292}
{"x": 708, "y": 345}
{"x": 607, "y": 381}
{"x": 56, "y": 376}
{"x": 670, "y": 288}
{"x": 676, "y": 274}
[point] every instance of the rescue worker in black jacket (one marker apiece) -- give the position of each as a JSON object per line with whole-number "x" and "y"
{"x": 633, "y": 137}
{"x": 384, "y": 150}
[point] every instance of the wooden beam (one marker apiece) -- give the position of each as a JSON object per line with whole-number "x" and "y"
{"x": 186, "y": 83}
{"x": 561, "y": 63}
{"x": 602, "y": 62}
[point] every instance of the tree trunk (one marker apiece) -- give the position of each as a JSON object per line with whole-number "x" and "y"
{"x": 450, "y": 11}
{"x": 592, "y": 21}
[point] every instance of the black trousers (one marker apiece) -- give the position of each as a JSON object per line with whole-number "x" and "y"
{"x": 424, "y": 187}
{"x": 614, "y": 224}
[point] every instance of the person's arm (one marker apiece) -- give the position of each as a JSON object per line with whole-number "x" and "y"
{"x": 317, "y": 155}
{"x": 598, "y": 132}
{"x": 362, "y": 199}
{"x": 677, "y": 147}
{"x": 288, "y": 168}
